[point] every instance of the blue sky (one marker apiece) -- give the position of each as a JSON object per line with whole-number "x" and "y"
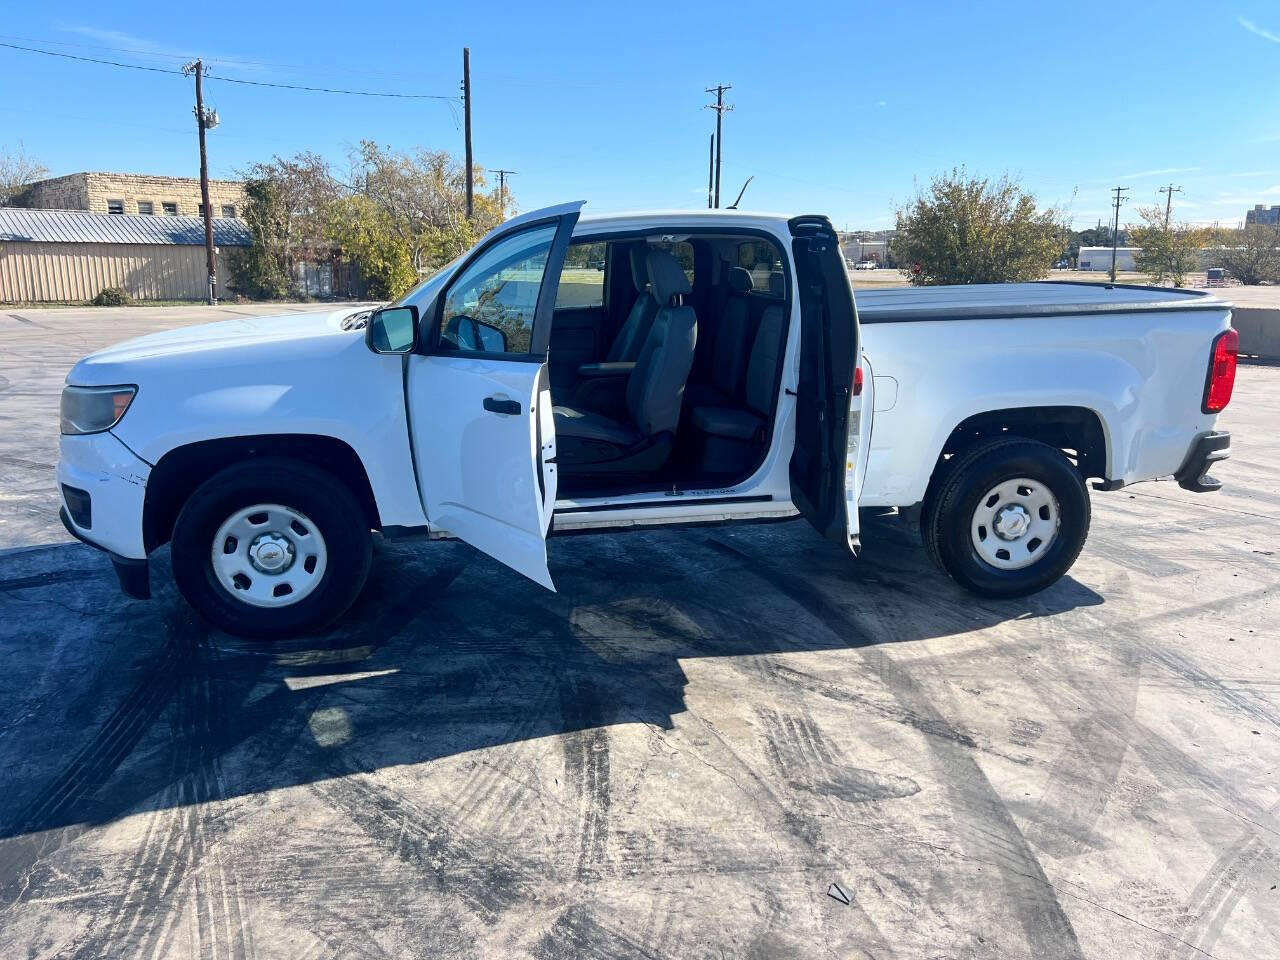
{"x": 840, "y": 108}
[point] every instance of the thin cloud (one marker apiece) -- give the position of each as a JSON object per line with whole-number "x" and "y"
{"x": 125, "y": 42}
{"x": 1141, "y": 174}
{"x": 1258, "y": 31}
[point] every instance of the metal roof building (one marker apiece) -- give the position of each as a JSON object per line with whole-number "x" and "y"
{"x": 58, "y": 256}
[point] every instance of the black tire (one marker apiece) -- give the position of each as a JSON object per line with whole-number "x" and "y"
{"x": 948, "y": 515}
{"x": 316, "y": 494}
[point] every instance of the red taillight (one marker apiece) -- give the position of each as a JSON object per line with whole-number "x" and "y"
{"x": 857, "y": 380}
{"x": 1222, "y": 372}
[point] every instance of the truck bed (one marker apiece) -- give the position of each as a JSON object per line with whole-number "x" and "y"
{"x": 1003, "y": 300}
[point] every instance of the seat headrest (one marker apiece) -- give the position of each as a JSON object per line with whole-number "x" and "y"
{"x": 740, "y": 280}
{"x": 666, "y": 277}
{"x": 639, "y": 267}
{"x": 777, "y": 286}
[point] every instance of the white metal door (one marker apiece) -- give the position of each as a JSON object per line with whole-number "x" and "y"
{"x": 479, "y": 403}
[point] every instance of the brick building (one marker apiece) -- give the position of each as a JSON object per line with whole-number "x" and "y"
{"x": 133, "y": 193}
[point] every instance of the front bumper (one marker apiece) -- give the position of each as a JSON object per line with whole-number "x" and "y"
{"x": 103, "y": 485}
{"x": 1206, "y": 450}
{"x": 134, "y": 575}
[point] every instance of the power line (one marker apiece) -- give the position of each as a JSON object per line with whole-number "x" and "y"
{"x": 240, "y": 80}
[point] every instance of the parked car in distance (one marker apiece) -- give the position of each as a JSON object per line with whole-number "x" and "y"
{"x": 723, "y": 375}
{"x": 865, "y": 265}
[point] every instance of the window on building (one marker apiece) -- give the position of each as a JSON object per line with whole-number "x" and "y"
{"x": 170, "y": 209}
{"x": 200, "y": 210}
{"x": 146, "y": 207}
{"x": 115, "y": 206}
{"x": 582, "y": 279}
{"x": 228, "y": 210}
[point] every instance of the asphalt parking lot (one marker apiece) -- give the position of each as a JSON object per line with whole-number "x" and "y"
{"x": 676, "y": 755}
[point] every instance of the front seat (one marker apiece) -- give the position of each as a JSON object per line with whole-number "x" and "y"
{"x": 588, "y": 442}
{"x": 635, "y": 329}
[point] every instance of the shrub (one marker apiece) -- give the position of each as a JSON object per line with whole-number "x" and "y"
{"x": 112, "y": 297}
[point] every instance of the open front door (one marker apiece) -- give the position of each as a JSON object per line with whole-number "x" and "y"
{"x": 479, "y": 399}
{"x": 833, "y": 394}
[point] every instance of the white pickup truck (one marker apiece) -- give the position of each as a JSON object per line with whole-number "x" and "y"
{"x": 715, "y": 370}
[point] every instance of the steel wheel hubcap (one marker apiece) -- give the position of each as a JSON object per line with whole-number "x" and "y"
{"x": 1015, "y": 523}
{"x": 268, "y": 555}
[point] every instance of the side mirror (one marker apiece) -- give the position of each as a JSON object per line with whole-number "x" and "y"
{"x": 392, "y": 330}
{"x": 469, "y": 335}
{"x": 492, "y": 339}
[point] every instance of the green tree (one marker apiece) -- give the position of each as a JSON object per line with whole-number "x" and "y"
{"x": 975, "y": 230}
{"x": 1251, "y": 255}
{"x": 1169, "y": 250}
{"x": 366, "y": 237}
{"x": 286, "y": 209}
{"x": 423, "y": 193}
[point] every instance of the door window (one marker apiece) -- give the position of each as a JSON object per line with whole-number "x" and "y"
{"x": 490, "y": 307}
{"x": 582, "y": 279}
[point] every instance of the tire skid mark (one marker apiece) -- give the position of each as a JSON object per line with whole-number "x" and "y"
{"x": 473, "y": 868}
{"x": 975, "y": 803}
{"x": 28, "y": 836}
{"x": 586, "y": 763}
{"x": 1220, "y": 891}
{"x": 188, "y": 855}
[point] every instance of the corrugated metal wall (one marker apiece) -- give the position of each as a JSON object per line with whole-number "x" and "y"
{"x": 61, "y": 272}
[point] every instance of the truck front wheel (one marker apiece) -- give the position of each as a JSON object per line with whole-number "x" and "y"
{"x": 1009, "y": 519}
{"x": 271, "y": 547}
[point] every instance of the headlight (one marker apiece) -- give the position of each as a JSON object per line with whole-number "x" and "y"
{"x": 94, "y": 409}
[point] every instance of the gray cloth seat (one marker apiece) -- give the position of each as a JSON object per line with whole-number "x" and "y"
{"x": 734, "y": 422}
{"x": 746, "y": 420}
{"x": 655, "y": 389}
{"x": 729, "y": 351}
{"x": 630, "y": 340}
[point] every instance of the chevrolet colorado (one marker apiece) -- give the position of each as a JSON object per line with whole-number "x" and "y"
{"x": 715, "y": 370}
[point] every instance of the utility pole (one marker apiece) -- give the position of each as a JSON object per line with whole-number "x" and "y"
{"x": 502, "y": 189}
{"x": 1115, "y": 230}
{"x": 721, "y": 108}
{"x": 1168, "y": 204}
{"x": 711, "y": 171}
{"x": 205, "y": 121}
{"x": 466, "y": 112}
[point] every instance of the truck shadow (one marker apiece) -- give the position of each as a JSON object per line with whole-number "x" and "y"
{"x": 118, "y": 706}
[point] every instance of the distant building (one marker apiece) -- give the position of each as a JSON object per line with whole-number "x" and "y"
{"x": 855, "y": 250}
{"x": 70, "y": 256}
{"x": 133, "y": 193}
{"x": 1262, "y": 216}
{"x": 1099, "y": 258}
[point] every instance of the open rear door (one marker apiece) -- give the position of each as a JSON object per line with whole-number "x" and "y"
{"x": 833, "y": 399}
{"x": 480, "y": 417}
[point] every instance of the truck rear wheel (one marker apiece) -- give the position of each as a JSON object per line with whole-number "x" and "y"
{"x": 1009, "y": 519}
{"x": 271, "y": 547}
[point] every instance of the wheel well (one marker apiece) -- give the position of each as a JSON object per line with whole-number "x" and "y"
{"x": 181, "y": 470}
{"x": 1077, "y": 431}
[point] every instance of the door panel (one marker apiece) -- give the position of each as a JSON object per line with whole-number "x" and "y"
{"x": 829, "y": 353}
{"x": 480, "y": 471}
{"x": 480, "y": 421}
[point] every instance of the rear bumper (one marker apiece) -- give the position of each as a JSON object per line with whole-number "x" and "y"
{"x": 1206, "y": 450}
{"x": 134, "y": 575}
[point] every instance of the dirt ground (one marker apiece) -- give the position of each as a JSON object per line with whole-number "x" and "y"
{"x": 676, "y": 755}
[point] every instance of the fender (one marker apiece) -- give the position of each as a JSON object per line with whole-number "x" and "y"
{"x": 313, "y": 379}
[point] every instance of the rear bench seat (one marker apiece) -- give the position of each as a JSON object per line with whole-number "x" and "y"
{"x": 734, "y": 425}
